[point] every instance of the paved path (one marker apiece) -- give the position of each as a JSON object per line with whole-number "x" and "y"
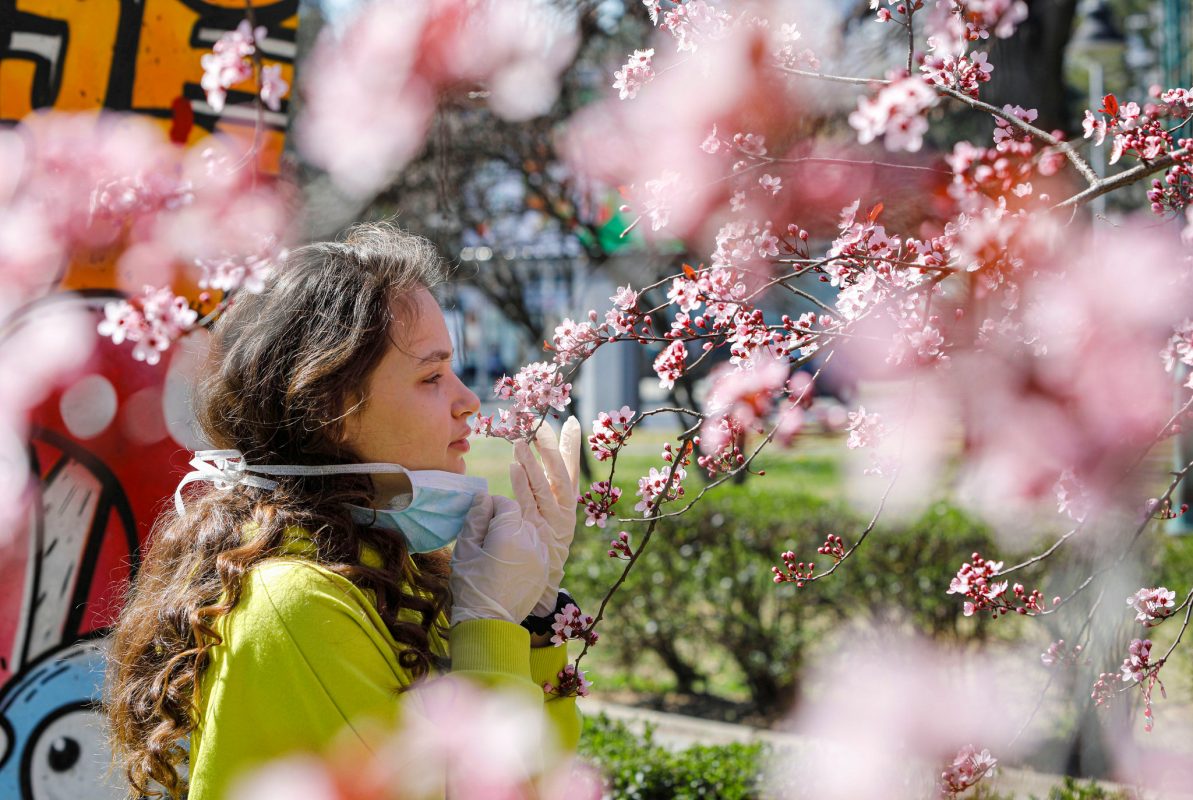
{"x": 678, "y": 731}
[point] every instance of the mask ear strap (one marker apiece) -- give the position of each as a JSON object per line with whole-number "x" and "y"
{"x": 227, "y": 469}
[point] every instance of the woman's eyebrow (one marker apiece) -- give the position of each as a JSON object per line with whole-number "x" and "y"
{"x": 438, "y": 355}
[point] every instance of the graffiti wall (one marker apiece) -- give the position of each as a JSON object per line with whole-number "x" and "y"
{"x": 109, "y": 448}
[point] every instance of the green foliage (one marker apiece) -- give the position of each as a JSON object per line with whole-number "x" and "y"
{"x": 1072, "y": 790}
{"x": 638, "y": 768}
{"x": 702, "y": 598}
{"x": 982, "y": 791}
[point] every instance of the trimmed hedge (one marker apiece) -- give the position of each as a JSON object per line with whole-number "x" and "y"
{"x": 638, "y": 768}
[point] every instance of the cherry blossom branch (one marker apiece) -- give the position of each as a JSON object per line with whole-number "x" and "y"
{"x": 1135, "y": 174}
{"x": 1070, "y": 152}
{"x": 909, "y": 23}
{"x": 862, "y": 536}
{"x": 1041, "y": 556}
{"x": 745, "y": 465}
{"x": 1178, "y": 477}
{"x": 1131, "y": 468}
{"x": 878, "y": 259}
{"x": 1078, "y": 640}
{"x": 685, "y": 442}
{"x": 850, "y": 162}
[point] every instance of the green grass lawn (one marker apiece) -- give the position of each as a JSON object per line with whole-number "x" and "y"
{"x": 813, "y": 468}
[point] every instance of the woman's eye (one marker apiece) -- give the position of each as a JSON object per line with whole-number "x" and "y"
{"x": 434, "y": 378}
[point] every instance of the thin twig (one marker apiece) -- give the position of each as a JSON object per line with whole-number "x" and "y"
{"x": 1121, "y": 179}
{"x": 1067, "y": 148}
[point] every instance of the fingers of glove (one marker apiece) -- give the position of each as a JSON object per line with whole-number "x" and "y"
{"x": 569, "y": 452}
{"x": 539, "y": 484}
{"x": 557, "y": 474}
{"x": 524, "y": 494}
{"x": 507, "y": 512}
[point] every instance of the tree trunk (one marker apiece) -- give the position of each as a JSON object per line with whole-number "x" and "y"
{"x": 1029, "y": 66}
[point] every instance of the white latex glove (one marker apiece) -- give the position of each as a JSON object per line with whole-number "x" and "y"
{"x": 550, "y": 488}
{"x": 499, "y": 565}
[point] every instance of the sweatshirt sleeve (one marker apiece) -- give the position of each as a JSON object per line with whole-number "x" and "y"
{"x": 497, "y": 652}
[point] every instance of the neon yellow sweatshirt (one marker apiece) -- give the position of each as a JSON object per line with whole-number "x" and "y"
{"x": 305, "y": 656}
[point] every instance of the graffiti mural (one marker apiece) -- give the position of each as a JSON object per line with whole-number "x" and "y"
{"x": 140, "y": 56}
{"x": 110, "y": 446}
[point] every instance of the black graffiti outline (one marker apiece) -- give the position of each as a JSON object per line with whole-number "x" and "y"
{"x": 47, "y": 73}
{"x": 224, "y": 18}
{"x": 113, "y": 499}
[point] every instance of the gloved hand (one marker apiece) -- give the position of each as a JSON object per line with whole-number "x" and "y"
{"x": 499, "y": 565}
{"x": 550, "y": 489}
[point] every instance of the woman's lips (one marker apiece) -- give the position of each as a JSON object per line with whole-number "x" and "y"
{"x": 461, "y": 445}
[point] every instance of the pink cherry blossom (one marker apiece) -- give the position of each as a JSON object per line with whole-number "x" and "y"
{"x": 1072, "y": 498}
{"x": 1060, "y": 654}
{"x": 152, "y": 322}
{"x": 250, "y": 271}
{"x": 273, "y": 86}
{"x": 1179, "y": 349}
{"x": 536, "y": 389}
{"x": 650, "y": 487}
{"x": 228, "y": 64}
{"x": 770, "y": 183}
{"x": 865, "y": 430}
{"x": 372, "y": 86}
{"x": 574, "y": 341}
{"x": 572, "y": 681}
{"x": 571, "y": 623}
{"x": 746, "y": 393}
{"x": 693, "y": 22}
{"x": 1136, "y": 665}
{"x": 1152, "y": 606}
{"x": 598, "y": 503}
{"x": 975, "y": 582}
{"x": 636, "y": 73}
{"x": 711, "y": 144}
{"x": 968, "y": 767}
{"x": 610, "y": 430}
{"x": 652, "y": 9}
{"x": 669, "y": 365}
{"x": 945, "y": 67}
{"x": 1094, "y": 128}
{"x": 895, "y": 113}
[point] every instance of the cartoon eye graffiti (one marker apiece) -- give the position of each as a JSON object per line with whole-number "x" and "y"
{"x": 56, "y": 748}
{"x": 68, "y": 758}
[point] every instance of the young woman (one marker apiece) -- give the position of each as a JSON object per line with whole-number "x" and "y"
{"x": 303, "y": 586}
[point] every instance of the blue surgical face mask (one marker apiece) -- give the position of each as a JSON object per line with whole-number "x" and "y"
{"x": 433, "y": 515}
{"x": 430, "y": 517}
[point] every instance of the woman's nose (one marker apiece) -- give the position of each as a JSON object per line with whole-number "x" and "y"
{"x": 469, "y": 403}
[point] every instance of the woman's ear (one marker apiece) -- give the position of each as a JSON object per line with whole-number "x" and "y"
{"x": 344, "y": 425}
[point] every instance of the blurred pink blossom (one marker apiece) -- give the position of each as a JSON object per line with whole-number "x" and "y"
{"x": 883, "y": 712}
{"x": 372, "y": 89}
{"x": 895, "y": 113}
{"x": 273, "y": 86}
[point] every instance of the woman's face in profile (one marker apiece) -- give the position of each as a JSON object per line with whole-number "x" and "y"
{"x": 415, "y": 411}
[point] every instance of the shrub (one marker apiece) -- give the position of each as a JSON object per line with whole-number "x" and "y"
{"x": 702, "y": 593}
{"x": 638, "y": 768}
{"x": 1072, "y": 790}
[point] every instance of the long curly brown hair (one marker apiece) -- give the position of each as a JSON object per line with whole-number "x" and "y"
{"x": 286, "y": 368}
